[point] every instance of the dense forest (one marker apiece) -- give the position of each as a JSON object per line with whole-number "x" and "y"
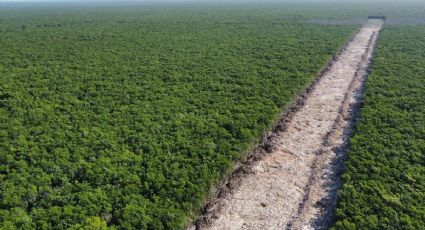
{"x": 126, "y": 117}
{"x": 384, "y": 182}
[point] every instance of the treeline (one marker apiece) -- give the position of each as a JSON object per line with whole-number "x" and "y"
{"x": 384, "y": 182}
{"x": 125, "y": 117}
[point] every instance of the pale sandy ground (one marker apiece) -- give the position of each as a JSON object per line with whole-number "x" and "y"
{"x": 294, "y": 187}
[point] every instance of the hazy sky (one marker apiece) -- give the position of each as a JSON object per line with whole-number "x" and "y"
{"x": 211, "y": 1}
{"x": 205, "y": 0}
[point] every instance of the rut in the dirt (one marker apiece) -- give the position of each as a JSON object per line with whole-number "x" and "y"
{"x": 294, "y": 186}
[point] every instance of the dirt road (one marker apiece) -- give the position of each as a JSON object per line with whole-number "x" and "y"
{"x": 294, "y": 186}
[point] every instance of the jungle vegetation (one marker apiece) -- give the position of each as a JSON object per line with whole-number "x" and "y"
{"x": 384, "y": 182}
{"x": 125, "y": 117}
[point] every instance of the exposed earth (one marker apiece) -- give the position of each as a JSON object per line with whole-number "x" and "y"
{"x": 294, "y": 185}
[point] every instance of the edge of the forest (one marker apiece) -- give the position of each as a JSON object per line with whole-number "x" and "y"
{"x": 259, "y": 147}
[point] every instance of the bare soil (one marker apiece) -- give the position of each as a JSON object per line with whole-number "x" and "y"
{"x": 294, "y": 184}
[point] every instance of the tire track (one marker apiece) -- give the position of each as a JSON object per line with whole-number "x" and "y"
{"x": 337, "y": 137}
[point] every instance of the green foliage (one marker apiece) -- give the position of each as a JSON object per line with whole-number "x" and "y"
{"x": 384, "y": 182}
{"x": 92, "y": 223}
{"x": 128, "y": 116}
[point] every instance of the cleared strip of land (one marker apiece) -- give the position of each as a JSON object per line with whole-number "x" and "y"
{"x": 294, "y": 185}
